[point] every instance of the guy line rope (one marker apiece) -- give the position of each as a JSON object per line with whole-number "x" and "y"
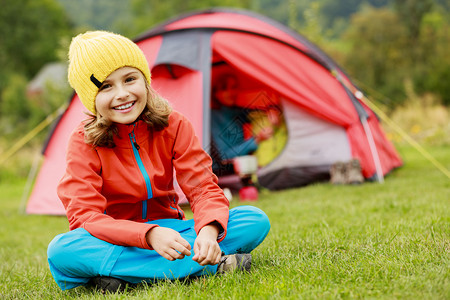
{"x": 31, "y": 134}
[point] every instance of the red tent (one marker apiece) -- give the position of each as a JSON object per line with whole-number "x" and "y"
{"x": 325, "y": 121}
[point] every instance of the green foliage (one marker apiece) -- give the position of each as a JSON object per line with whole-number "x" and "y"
{"x": 148, "y": 13}
{"x": 14, "y": 107}
{"x": 376, "y": 56}
{"x": 29, "y": 35}
{"x": 19, "y": 113}
{"x": 112, "y": 15}
{"x": 432, "y": 74}
{"x": 312, "y": 28}
{"x": 411, "y": 13}
{"x": 372, "y": 241}
{"x": 339, "y": 12}
{"x": 386, "y": 50}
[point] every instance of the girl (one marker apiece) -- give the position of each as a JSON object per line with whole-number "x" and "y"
{"x": 118, "y": 191}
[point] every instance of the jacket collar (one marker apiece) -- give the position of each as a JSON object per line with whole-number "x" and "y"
{"x": 139, "y": 128}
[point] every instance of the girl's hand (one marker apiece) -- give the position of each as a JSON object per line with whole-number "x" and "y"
{"x": 168, "y": 243}
{"x": 206, "y": 248}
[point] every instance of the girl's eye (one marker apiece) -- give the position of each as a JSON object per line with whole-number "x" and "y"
{"x": 104, "y": 86}
{"x": 129, "y": 79}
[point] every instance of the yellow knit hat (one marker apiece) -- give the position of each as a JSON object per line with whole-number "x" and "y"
{"x": 94, "y": 55}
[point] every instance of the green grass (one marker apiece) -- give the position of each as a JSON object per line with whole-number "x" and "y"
{"x": 373, "y": 241}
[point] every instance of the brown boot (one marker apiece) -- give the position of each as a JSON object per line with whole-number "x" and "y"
{"x": 338, "y": 173}
{"x": 353, "y": 172}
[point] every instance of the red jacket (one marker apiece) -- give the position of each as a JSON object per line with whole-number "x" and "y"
{"x": 112, "y": 192}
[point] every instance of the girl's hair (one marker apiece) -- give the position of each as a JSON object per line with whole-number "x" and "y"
{"x": 100, "y": 132}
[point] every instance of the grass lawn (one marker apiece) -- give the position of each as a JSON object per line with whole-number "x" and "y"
{"x": 377, "y": 241}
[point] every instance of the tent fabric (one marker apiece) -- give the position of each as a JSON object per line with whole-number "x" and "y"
{"x": 321, "y": 92}
{"x": 43, "y": 198}
{"x": 275, "y": 67}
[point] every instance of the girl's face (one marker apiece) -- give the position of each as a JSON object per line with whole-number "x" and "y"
{"x": 122, "y": 96}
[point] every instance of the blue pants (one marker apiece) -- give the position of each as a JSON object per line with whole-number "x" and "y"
{"x": 76, "y": 256}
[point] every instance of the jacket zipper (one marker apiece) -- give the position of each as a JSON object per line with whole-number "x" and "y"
{"x": 180, "y": 213}
{"x": 144, "y": 173}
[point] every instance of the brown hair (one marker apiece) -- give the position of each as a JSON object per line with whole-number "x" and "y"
{"x": 100, "y": 132}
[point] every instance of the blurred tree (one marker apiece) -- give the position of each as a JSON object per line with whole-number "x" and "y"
{"x": 313, "y": 26}
{"x": 337, "y": 13}
{"x": 445, "y": 4}
{"x": 111, "y": 15}
{"x": 411, "y": 13}
{"x": 14, "y": 107}
{"x": 29, "y": 35}
{"x": 387, "y": 50}
{"x": 278, "y": 10}
{"x": 432, "y": 69}
{"x": 148, "y": 13}
{"x": 376, "y": 56}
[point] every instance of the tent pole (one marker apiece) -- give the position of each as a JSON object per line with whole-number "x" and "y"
{"x": 373, "y": 150}
{"x": 31, "y": 177}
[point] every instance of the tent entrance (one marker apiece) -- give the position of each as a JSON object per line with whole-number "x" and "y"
{"x": 253, "y": 105}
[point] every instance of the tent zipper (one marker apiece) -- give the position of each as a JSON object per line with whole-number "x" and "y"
{"x": 144, "y": 173}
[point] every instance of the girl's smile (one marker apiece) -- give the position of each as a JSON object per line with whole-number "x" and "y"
{"x": 125, "y": 107}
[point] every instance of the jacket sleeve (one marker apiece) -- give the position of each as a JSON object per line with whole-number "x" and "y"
{"x": 80, "y": 192}
{"x": 196, "y": 179}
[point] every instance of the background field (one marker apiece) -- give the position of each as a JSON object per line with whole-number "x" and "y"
{"x": 381, "y": 241}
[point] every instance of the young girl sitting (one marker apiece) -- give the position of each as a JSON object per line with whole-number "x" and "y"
{"x": 118, "y": 189}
